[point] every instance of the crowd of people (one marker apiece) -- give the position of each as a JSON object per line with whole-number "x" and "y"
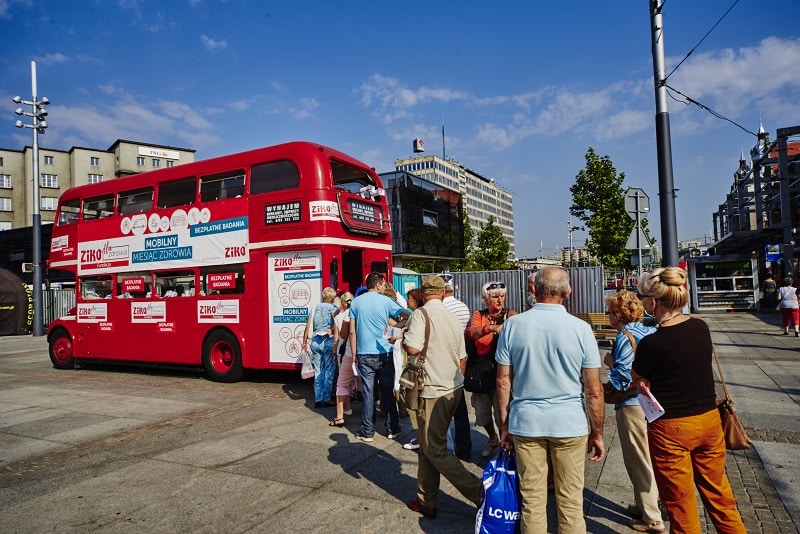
{"x": 548, "y": 402}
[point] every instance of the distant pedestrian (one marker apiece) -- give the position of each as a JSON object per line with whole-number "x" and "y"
{"x": 769, "y": 288}
{"x": 790, "y": 310}
{"x": 550, "y": 397}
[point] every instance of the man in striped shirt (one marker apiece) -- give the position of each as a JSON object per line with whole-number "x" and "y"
{"x": 462, "y": 442}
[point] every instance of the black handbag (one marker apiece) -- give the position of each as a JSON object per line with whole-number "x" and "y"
{"x": 480, "y": 375}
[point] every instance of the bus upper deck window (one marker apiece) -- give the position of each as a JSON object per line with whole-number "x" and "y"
{"x": 69, "y": 211}
{"x": 177, "y": 192}
{"x": 350, "y": 178}
{"x": 221, "y": 186}
{"x": 136, "y": 201}
{"x": 274, "y": 176}
{"x": 98, "y": 207}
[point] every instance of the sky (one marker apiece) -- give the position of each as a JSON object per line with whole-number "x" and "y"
{"x": 522, "y": 88}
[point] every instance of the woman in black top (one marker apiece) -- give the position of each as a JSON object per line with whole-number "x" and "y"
{"x": 686, "y": 444}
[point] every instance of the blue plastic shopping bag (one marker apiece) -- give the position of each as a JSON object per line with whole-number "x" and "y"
{"x": 499, "y": 509}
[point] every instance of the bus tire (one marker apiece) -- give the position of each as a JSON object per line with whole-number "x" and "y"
{"x": 222, "y": 357}
{"x": 61, "y": 350}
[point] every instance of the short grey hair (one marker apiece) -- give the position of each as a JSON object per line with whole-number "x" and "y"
{"x": 552, "y": 281}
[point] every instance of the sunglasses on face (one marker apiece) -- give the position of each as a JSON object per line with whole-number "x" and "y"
{"x": 496, "y": 286}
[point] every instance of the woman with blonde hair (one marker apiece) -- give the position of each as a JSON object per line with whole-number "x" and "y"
{"x": 348, "y": 380}
{"x": 687, "y": 447}
{"x": 322, "y": 335}
{"x": 625, "y": 315}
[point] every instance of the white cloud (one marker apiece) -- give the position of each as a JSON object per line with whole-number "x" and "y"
{"x": 53, "y": 59}
{"x": 730, "y": 81}
{"x": 212, "y": 44}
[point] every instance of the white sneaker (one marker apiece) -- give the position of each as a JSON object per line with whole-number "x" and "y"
{"x": 490, "y": 447}
{"x": 412, "y": 445}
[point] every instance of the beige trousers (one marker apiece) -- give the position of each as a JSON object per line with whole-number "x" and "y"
{"x": 435, "y": 460}
{"x": 568, "y": 456}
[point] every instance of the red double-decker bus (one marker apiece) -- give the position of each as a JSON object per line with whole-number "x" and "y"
{"x": 216, "y": 262}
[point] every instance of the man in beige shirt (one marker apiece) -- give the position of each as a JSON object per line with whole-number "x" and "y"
{"x": 445, "y": 358}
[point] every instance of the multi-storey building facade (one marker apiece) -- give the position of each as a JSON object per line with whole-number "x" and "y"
{"x": 59, "y": 170}
{"x": 482, "y": 197}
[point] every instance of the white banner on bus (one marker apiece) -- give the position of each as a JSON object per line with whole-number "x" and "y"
{"x": 184, "y": 239}
{"x": 295, "y": 286}
{"x": 218, "y": 311}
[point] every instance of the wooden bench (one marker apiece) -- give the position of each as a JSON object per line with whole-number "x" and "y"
{"x": 600, "y": 326}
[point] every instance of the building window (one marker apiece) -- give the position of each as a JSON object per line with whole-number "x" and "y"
{"x": 1, "y": 162}
{"x": 49, "y": 160}
{"x": 49, "y": 203}
{"x": 49, "y": 180}
{"x": 5, "y": 225}
{"x": 5, "y": 181}
{"x": 5, "y": 204}
{"x": 94, "y": 162}
{"x": 156, "y": 163}
{"x": 170, "y": 163}
{"x": 95, "y": 178}
{"x": 140, "y": 161}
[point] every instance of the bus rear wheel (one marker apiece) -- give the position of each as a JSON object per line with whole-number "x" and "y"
{"x": 222, "y": 357}
{"x": 61, "y": 350}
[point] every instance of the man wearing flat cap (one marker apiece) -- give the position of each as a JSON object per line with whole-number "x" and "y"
{"x": 445, "y": 358}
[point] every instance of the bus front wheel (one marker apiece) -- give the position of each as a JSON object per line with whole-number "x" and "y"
{"x": 222, "y": 357}
{"x": 61, "y": 350}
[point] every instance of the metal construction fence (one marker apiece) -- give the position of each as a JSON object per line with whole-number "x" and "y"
{"x": 587, "y": 284}
{"x": 56, "y": 303}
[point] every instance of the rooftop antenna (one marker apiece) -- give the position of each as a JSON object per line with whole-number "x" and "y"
{"x": 444, "y": 152}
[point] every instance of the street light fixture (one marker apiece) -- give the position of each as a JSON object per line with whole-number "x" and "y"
{"x": 38, "y": 125}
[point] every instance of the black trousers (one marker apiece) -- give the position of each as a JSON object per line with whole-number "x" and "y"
{"x": 463, "y": 440}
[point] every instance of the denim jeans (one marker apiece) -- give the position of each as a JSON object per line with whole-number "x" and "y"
{"x": 380, "y": 367}
{"x": 324, "y": 367}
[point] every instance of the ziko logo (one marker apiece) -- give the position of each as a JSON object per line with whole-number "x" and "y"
{"x": 151, "y": 312}
{"x": 218, "y": 311}
{"x": 106, "y": 256}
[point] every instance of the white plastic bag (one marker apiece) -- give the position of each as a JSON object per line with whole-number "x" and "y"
{"x": 307, "y": 371}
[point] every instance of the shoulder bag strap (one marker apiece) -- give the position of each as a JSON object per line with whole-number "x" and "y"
{"x": 421, "y": 356}
{"x": 719, "y": 370}
{"x": 631, "y": 339}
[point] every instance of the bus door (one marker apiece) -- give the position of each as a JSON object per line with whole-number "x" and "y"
{"x": 294, "y": 287}
{"x": 352, "y": 274}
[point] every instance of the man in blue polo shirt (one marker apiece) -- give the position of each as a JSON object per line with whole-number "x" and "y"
{"x": 548, "y": 362}
{"x": 369, "y": 315}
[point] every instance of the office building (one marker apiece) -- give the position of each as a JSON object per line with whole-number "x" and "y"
{"x": 481, "y": 196}
{"x": 59, "y": 170}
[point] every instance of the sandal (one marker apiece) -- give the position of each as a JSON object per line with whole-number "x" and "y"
{"x": 336, "y": 422}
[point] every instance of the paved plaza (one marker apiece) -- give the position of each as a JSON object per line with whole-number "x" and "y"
{"x": 121, "y": 449}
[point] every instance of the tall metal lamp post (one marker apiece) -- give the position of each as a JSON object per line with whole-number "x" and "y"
{"x": 38, "y": 125}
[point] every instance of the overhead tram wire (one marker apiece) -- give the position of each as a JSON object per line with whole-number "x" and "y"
{"x": 690, "y": 100}
{"x": 664, "y": 81}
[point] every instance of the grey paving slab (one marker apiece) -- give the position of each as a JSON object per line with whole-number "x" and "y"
{"x": 782, "y": 462}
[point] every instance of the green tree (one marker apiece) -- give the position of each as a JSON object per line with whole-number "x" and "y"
{"x": 598, "y": 200}
{"x": 491, "y": 248}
